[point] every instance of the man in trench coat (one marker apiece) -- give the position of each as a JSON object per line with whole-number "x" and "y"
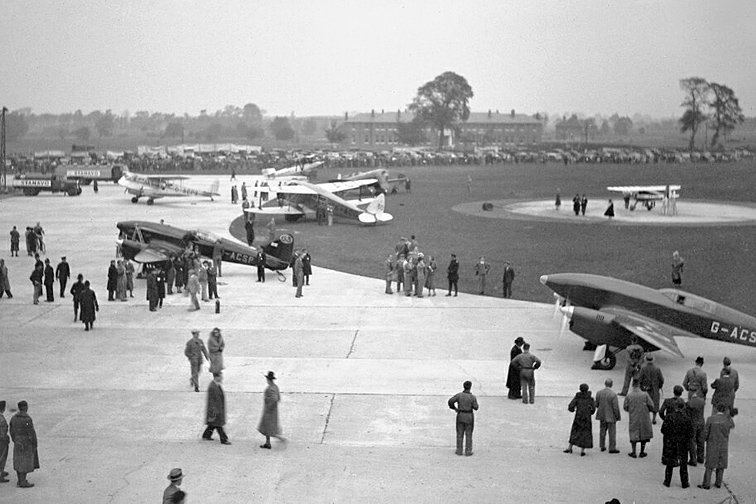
{"x": 717, "y": 434}
{"x": 215, "y": 413}
{"x": 25, "y": 456}
{"x": 638, "y": 404}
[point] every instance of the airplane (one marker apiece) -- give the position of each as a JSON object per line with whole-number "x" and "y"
{"x": 299, "y": 169}
{"x": 608, "y": 312}
{"x": 296, "y": 197}
{"x": 153, "y": 187}
{"x": 152, "y": 242}
{"x": 385, "y": 181}
{"x": 648, "y": 195}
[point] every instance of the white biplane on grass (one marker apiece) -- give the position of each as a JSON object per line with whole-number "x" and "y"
{"x": 295, "y": 198}
{"x": 153, "y": 187}
{"x": 648, "y": 195}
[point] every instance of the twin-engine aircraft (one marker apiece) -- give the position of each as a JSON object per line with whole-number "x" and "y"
{"x": 608, "y": 312}
{"x": 648, "y": 195}
{"x": 297, "y": 197}
{"x": 152, "y": 242}
{"x": 153, "y": 187}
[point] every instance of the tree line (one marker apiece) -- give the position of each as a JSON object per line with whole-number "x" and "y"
{"x": 709, "y": 103}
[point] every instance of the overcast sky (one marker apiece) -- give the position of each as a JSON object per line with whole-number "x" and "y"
{"x": 326, "y": 57}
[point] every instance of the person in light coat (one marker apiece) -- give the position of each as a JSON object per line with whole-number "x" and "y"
{"x": 269, "y": 426}
{"x": 638, "y": 404}
{"x": 193, "y": 287}
{"x": 215, "y": 412}
{"x": 717, "y": 434}
{"x": 216, "y": 345}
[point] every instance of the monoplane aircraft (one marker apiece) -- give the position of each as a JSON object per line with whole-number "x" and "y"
{"x": 297, "y": 197}
{"x": 153, "y": 187}
{"x": 152, "y": 242}
{"x": 608, "y": 312}
{"x": 387, "y": 183}
{"x": 648, "y": 195}
{"x": 303, "y": 168}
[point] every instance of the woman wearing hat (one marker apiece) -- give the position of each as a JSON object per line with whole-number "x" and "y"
{"x": 581, "y": 434}
{"x": 269, "y": 426}
{"x": 651, "y": 382}
{"x": 215, "y": 346}
{"x": 513, "y": 374}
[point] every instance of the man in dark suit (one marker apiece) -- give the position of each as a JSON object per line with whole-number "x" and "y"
{"x": 215, "y": 415}
{"x": 260, "y": 259}
{"x": 62, "y": 273}
{"x": 608, "y": 414}
{"x": 49, "y": 281}
{"x": 452, "y": 273}
{"x": 508, "y": 278}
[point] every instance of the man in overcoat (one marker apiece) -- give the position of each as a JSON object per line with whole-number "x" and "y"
{"x": 5, "y": 288}
{"x": 695, "y": 409}
{"x": 298, "y": 277}
{"x": 75, "y": 291}
{"x": 677, "y": 431}
{"x": 112, "y": 280}
{"x": 152, "y": 290}
{"x": 696, "y": 375}
{"x": 652, "y": 381}
{"x": 36, "y": 279}
{"x": 25, "y": 456}
{"x": 4, "y": 444}
{"x": 194, "y": 351}
{"x": 49, "y": 281}
{"x": 724, "y": 391}
{"x": 306, "y": 266}
{"x": 88, "y": 306}
{"x": 269, "y": 426}
{"x": 215, "y": 413}
{"x": 452, "y": 274}
{"x": 128, "y": 268}
{"x": 464, "y": 403}
{"x": 507, "y": 279}
{"x": 717, "y": 434}
{"x": 638, "y": 404}
{"x": 63, "y": 273}
{"x": 608, "y": 414}
{"x": 635, "y": 355}
{"x": 260, "y": 260}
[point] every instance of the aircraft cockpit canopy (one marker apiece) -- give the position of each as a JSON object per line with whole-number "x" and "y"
{"x": 690, "y": 300}
{"x": 206, "y": 235}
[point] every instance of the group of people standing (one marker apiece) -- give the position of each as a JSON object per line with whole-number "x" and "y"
{"x": 689, "y": 438}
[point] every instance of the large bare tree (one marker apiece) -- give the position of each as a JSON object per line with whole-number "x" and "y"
{"x": 696, "y": 94}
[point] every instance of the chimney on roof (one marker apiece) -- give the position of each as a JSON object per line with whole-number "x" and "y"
{"x": 513, "y": 113}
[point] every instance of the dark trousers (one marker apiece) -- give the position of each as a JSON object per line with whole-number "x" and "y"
{"x": 49, "y": 291}
{"x": 707, "y": 478}
{"x": 213, "y": 288}
{"x": 683, "y": 470}
{"x": 63, "y": 282}
{"x": 611, "y": 428}
{"x": 260, "y": 274}
{"x": 697, "y": 444}
{"x": 507, "y": 290}
{"x": 3, "y": 454}
{"x": 208, "y": 434}
{"x": 76, "y": 309}
{"x": 453, "y": 283}
{"x": 465, "y": 424}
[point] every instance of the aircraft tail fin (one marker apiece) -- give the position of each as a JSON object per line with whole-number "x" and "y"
{"x": 282, "y": 248}
{"x": 377, "y": 208}
{"x": 214, "y": 187}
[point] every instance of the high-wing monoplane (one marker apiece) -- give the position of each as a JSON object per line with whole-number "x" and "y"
{"x": 648, "y": 195}
{"x": 152, "y": 242}
{"x": 608, "y": 312}
{"x": 153, "y": 187}
{"x": 297, "y": 197}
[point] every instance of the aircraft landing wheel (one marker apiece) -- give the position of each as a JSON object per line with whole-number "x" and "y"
{"x": 605, "y": 364}
{"x": 134, "y": 199}
{"x": 150, "y": 201}
{"x": 281, "y": 276}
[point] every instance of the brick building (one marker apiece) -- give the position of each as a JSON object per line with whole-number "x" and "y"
{"x": 378, "y": 131}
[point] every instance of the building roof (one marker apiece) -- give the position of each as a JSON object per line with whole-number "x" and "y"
{"x": 475, "y": 118}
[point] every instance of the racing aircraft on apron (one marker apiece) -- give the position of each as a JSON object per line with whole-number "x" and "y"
{"x": 152, "y": 242}
{"x": 153, "y": 187}
{"x": 648, "y": 195}
{"x": 608, "y": 312}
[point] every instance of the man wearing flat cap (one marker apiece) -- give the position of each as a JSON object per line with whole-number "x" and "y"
{"x": 63, "y": 273}
{"x": 696, "y": 375}
{"x": 651, "y": 382}
{"x": 176, "y": 476}
{"x": 195, "y": 351}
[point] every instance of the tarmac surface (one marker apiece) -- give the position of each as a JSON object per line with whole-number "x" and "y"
{"x": 364, "y": 377}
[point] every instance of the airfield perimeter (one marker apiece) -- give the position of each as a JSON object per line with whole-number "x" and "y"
{"x": 364, "y": 378}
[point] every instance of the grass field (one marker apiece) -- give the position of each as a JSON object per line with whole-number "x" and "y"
{"x": 720, "y": 260}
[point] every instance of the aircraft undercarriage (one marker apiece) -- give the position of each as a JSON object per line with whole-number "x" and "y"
{"x": 605, "y": 357}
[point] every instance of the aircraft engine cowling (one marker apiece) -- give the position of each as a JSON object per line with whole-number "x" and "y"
{"x": 596, "y": 326}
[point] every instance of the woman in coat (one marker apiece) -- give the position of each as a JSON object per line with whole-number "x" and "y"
{"x": 420, "y": 278}
{"x": 430, "y": 276}
{"x": 513, "y": 374}
{"x": 389, "y": 272}
{"x": 581, "y": 434}
{"x": 88, "y": 306}
{"x": 120, "y": 281}
{"x": 269, "y": 426}
{"x": 215, "y": 346}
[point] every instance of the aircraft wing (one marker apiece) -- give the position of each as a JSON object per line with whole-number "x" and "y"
{"x": 639, "y": 189}
{"x": 649, "y": 330}
{"x": 165, "y": 177}
{"x": 156, "y": 251}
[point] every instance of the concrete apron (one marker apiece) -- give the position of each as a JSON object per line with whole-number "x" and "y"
{"x": 364, "y": 376}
